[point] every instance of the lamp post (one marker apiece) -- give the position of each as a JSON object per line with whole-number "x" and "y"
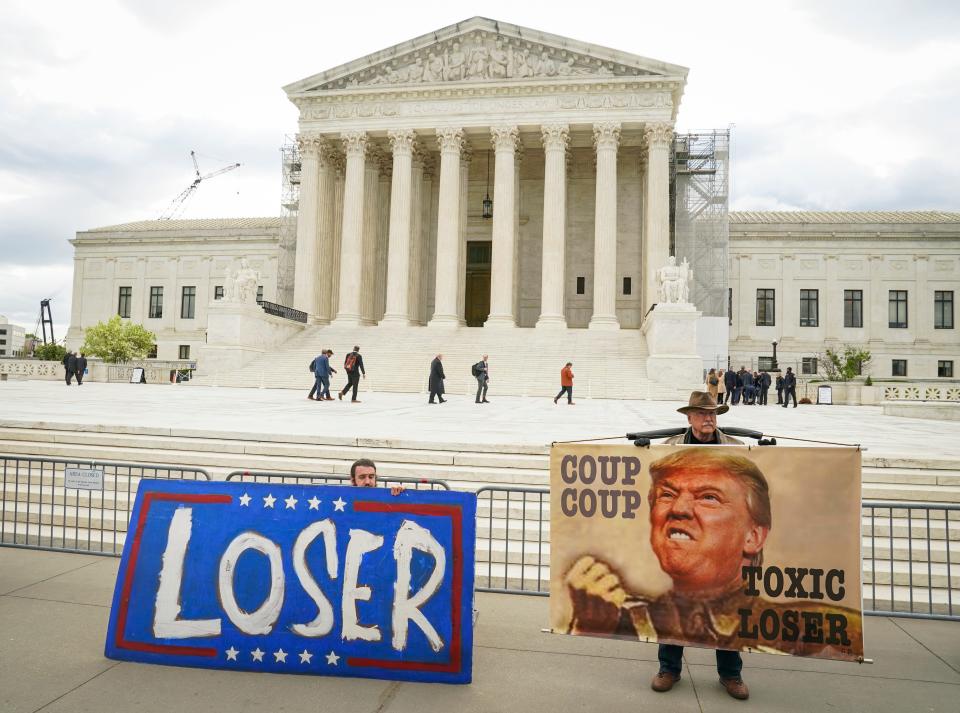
{"x": 775, "y": 366}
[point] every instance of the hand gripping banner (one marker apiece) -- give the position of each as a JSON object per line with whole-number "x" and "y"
{"x": 721, "y": 547}
{"x": 327, "y": 580}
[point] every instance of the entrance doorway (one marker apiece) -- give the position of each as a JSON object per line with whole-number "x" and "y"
{"x": 477, "y": 288}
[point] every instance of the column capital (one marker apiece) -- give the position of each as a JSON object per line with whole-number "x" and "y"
{"x": 606, "y": 135}
{"x": 314, "y": 145}
{"x": 504, "y": 138}
{"x": 450, "y": 139}
{"x": 556, "y": 137}
{"x": 658, "y": 134}
{"x": 355, "y": 143}
{"x": 402, "y": 141}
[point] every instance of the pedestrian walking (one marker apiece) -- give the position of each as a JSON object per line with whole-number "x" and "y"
{"x": 436, "y": 379}
{"x": 481, "y": 373}
{"x": 789, "y": 387}
{"x": 566, "y": 384}
{"x": 322, "y": 372}
{"x": 316, "y": 379}
{"x": 326, "y": 383}
{"x": 712, "y": 382}
{"x": 81, "y": 368}
{"x": 730, "y": 379}
{"x": 70, "y": 365}
{"x": 353, "y": 365}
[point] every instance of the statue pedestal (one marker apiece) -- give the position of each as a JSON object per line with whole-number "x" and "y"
{"x": 237, "y": 333}
{"x": 674, "y": 368}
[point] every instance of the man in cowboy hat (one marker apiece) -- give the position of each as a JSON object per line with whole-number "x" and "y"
{"x": 701, "y": 413}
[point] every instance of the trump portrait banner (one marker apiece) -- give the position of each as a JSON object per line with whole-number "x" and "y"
{"x": 724, "y": 547}
{"x": 308, "y": 579}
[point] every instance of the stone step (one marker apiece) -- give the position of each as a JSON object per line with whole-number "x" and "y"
{"x": 909, "y": 492}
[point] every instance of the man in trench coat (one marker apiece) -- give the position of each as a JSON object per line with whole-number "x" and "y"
{"x": 436, "y": 379}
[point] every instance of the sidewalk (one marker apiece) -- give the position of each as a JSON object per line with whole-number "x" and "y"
{"x": 54, "y": 609}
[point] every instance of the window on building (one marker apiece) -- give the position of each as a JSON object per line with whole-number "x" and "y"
{"x": 581, "y": 285}
{"x": 853, "y": 308}
{"x": 808, "y": 365}
{"x": 152, "y": 354}
{"x": 259, "y": 294}
{"x": 218, "y": 292}
{"x": 627, "y": 286}
{"x": 899, "y": 367}
{"x": 3, "y": 331}
{"x": 943, "y": 309}
{"x": 766, "y": 303}
{"x": 765, "y": 363}
{"x": 184, "y": 351}
{"x": 809, "y": 308}
{"x": 945, "y": 369}
{"x": 123, "y": 303}
{"x": 188, "y": 302}
{"x": 156, "y": 303}
{"x": 3, "y": 341}
{"x": 730, "y": 306}
{"x": 898, "y": 309}
{"x": 3, "y": 352}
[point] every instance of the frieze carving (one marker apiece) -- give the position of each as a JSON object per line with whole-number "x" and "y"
{"x": 483, "y": 56}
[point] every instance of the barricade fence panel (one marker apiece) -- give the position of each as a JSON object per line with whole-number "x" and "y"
{"x": 74, "y": 505}
{"x": 513, "y": 540}
{"x": 263, "y": 476}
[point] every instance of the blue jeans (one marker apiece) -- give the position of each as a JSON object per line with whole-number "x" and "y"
{"x": 323, "y": 388}
{"x": 729, "y": 663}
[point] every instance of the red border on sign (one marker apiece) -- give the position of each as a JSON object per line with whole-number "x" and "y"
{"x": 120, "y": 640}
{"x": 456, "y": 516}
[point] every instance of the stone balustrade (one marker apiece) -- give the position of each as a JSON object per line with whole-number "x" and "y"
{"x": 155, "y": 371}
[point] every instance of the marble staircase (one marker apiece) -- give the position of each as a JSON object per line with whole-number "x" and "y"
{"x": 523, "y": 362}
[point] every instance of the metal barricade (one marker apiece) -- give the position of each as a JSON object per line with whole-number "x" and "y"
{"x": 909, "y": 552}
{"x": 41, "y": 512}
{"x": 265, "y": 476}
{"x": 513, "y": 540}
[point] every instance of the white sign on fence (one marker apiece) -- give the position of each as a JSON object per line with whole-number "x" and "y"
{"x": 824, "y": 394}
{"x": 84, "y": 478}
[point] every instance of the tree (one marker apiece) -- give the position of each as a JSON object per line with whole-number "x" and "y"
{"x": 49, "y": 352}
{"x": 845, "y": 365}
{"x": 116, "y": 341}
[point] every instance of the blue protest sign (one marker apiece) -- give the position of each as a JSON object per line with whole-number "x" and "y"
{"x": 310, "y": 579}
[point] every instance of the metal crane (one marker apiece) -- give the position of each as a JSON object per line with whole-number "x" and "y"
{"x": 177, "y": 205}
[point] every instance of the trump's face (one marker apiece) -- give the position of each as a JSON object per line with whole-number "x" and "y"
{"x": 701, "y": 529}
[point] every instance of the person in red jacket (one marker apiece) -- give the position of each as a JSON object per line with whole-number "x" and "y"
{"x": 566, "y": 384}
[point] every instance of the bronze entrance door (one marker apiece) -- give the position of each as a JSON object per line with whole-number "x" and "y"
{"x": 477, "y": 289}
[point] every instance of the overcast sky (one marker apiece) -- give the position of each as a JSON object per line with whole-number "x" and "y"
{"x": 833, "y": 105}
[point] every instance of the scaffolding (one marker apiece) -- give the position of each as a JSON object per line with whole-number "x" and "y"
{"x": 699, "y": 200}
{"x": 289, "y": 203}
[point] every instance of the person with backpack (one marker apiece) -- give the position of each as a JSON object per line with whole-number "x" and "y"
{"x": 322, "y": 371}
{"x": 480, "y": 373}
{"x": 353, "y": 365}
{"x": 316, "y": 379}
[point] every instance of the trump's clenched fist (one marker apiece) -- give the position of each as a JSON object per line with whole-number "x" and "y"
{"x": 597, "y": 596}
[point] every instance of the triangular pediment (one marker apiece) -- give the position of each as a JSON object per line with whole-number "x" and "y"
{"x": 481, "y": 50}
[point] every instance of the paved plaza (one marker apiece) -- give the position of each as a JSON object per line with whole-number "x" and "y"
{"x": 54, "y": 609}
{"x": 287, "y": 414}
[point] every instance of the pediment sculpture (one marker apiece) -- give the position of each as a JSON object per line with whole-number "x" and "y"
{"x": 482, "y": 56}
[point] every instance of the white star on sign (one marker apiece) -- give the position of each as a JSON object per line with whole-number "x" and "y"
{"x": 305, "y": 656}
{"x": 280, "y": 656}
{"x": 269, "y": 501}
{"x": 257, "y": 654}
{"x": 291, "y": 503}
{"x": 332, "y": 658}
{"x": 314, "y": 503}
{"x": 244, "y": 500}
{"x": 232, "y": 654}
{"x": 338, "y": 504}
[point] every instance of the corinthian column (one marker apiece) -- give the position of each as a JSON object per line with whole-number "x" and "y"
{"x": 398, "y": 248}
{"x": 306, "y": 295}
{"x": 351, "y": 240}
{"x": 504, "y": 140}
{"x": 371, "y": 210}
{"x": 450, "y": 141}
{"x": 552, "y": 282}
{"x": 417, "y": 240}
{"x": 606, "y": 139}
{"x": 656, "y": 245}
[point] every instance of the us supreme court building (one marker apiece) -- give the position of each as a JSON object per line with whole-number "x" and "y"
{"x": 495, "y": 188}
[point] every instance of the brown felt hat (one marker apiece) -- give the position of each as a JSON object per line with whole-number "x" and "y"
{"x": 702, "y": 401}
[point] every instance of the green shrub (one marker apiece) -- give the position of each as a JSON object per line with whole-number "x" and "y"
{"x": 49, "y": 352}
{"x": 117, "y": 341}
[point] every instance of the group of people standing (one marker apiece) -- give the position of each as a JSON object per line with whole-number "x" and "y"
{"x": 750, "y": 388}
{"x": 75, "y": 366}
{"x": 322, "y": 370}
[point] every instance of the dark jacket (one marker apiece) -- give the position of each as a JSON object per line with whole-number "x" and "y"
{"x": 81, "y": 364}
{"x": 358, "y": 365}
{"x": 744, "y": 379}
{"x": 789, "y": 380}
{"x": 779, "y": 383}
{"x": 71, "y": 363}
{"x": 482, "y": 370}
{"x": 436, "y": 376}
{"x": 730, "y": 380}
{"x": 765, "y": 381}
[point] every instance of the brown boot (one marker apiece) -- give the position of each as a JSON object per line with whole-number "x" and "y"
{"x": 664, "y": 681}
{"x": 736, "y": 688}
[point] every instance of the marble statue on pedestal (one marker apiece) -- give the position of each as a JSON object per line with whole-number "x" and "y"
{"x": 673, "y": 282}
